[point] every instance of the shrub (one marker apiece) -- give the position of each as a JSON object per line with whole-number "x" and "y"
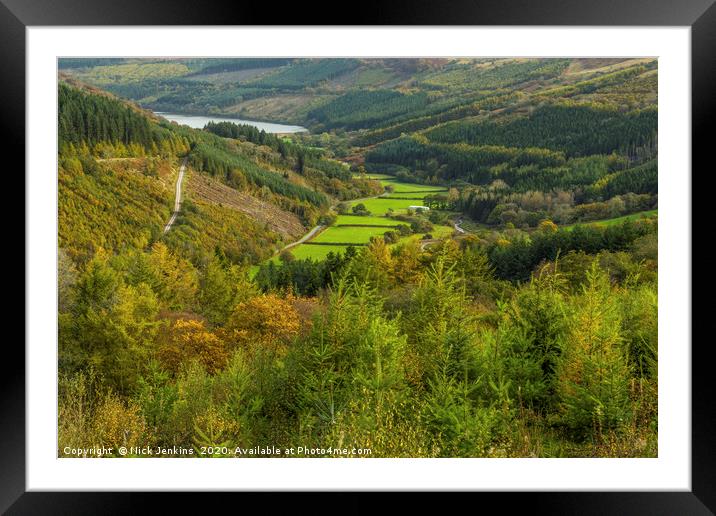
{"x": 360, "y": 209}
{"x": 403, "y": 229}
{"x": 286, "y": 256}
{"x": 421, "y": 226}
{"x": 391, "y": 237}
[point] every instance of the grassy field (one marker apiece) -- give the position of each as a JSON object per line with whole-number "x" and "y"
{"x": 316, "y": 252}
{"x": 343, "y": 233}
{"x": 379, "y": 206}
{"x": 319, "y": 252}
{"x": 358, "y": 230}
{"x": 618, "y": 220}
{"x": 303, "y": 252}
{"x": 349, "y": 234}
{"x": 343, "y": 220}
{"x": 410, "y": 196}
{"x": 400, "y": 186}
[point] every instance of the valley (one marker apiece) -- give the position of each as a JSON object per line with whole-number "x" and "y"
{"x": 420, "y": 257}
{"x": 377, "y": 218}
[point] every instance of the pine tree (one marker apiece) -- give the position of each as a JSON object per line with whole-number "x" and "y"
{"x": 593, "y": 375}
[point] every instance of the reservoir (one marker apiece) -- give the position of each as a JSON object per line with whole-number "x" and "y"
{"x": 198, "y": 122}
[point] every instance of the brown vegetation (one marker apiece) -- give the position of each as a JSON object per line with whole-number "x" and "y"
{"x": 204, "y": 188}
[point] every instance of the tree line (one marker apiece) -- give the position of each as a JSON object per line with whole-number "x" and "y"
{"x": 577, "y": 129}
{"x": 91, "y": 119}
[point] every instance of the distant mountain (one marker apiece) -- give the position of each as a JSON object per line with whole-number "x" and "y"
{"x": 368, "y": 94}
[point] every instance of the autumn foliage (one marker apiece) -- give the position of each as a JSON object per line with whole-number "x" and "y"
{"x": 191, "y": 340}
{"x": 265, "y": 321}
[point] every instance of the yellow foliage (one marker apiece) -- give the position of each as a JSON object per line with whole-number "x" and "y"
{"x": 266, "y": 321}
{"x": 89, "y": 417}
{"x": 379, "y": 261}
{"x": 379, "y": 252}
{"x": 178, "y": 281}
{"x": 215, "y": 426}
{"x": 448, "y": 249}
{"x": 547, "y": 226}
{"x": 190, "y": 340}
{"x": 118, "y": 425}
{"x": 407, "y": 265}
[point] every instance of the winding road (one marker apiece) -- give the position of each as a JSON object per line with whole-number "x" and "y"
{"x": 177, "y": 196}
{"x": 305, "y": 237}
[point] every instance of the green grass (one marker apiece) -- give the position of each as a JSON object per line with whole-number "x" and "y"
{"x": 369, "y": 220}
{"x": 316, "y": 252}
{"x": 409, "y": 196}
{"x": 347, "y": 234}
{"x": 319, "y": 252}
{"x": 379, "y": 206}
{"x": 359, "y": 230}
{"x": 617, "y": 220}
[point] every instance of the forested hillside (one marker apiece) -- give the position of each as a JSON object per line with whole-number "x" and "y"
{"x": 116, "y": 159}
{"x": 458, "y": 259}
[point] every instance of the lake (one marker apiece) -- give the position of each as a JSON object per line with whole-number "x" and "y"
{"x": 198, "y": 122}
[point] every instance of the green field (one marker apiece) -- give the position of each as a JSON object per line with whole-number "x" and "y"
{"x": 358, "y": 230}
{"x": 316, "y": 252}
{"x": 349, "y": 234}
{"x": 343, "y": 220}
{"x": 303, "y": 252}
{"x": 319, "y": 252}
{"x": 617, "y": 220}
{"x": 379, "y": 206}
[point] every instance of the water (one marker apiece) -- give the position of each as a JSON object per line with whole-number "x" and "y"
{"x": 198, "y": 122}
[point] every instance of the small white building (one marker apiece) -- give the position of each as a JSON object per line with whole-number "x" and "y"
{"x": 418, "y": 208}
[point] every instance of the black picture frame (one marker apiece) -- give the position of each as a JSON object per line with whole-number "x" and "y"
{"x": 700, "y": 15}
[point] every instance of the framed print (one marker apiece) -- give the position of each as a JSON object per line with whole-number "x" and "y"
{"x": 255, "y": 252}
